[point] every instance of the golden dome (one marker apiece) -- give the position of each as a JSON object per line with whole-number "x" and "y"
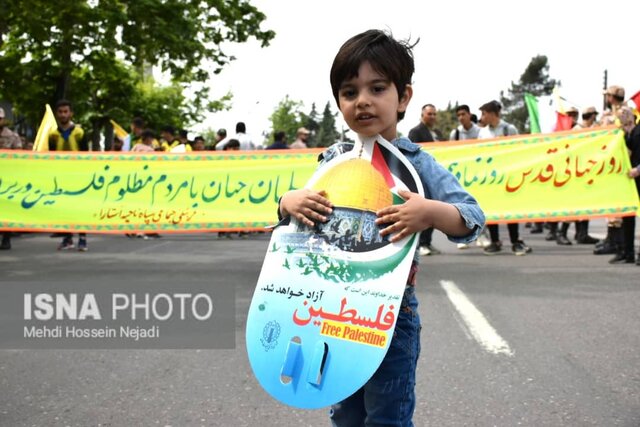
{"x": 355, "y": 184}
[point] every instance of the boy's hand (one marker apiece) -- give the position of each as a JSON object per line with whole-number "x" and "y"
{"x": 306, "y": 206}
{"x": 405, "y": 219}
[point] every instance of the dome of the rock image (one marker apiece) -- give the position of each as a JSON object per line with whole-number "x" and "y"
{"x": 355, "y": 184}
{"x": 357, "y": 190}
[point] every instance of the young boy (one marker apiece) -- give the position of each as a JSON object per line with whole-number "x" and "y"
{"x": 371, "y": 82}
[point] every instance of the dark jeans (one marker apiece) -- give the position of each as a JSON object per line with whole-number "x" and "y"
{"x": 426, "y": 236}
{"x": 388, "y": 398}
{"x": 513, "y": 232}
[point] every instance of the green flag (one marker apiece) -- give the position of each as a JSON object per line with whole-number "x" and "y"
{"x": 534, "y": 116}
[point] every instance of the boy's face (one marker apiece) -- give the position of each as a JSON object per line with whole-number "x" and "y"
{"x": 369, "y": 103}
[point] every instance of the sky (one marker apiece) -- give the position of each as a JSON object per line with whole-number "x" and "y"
{"x": 468, "y": 52}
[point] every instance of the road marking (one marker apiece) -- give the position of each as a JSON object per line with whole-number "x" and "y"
{"x": 478, "y": 326}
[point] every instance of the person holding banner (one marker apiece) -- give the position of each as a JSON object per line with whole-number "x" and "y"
{"x": 371, "y": 82}
{"x": 68, "y": 136}
{"x": 426, "y": 131}
{"x": 496, "y": 127}
{"x": 625, "y": 252}
{"x": 9, "y": 140}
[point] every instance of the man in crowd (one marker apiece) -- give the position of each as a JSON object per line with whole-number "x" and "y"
{"x": 467, "y": 128}
{"x": 68, "y": 136}
{"x": 279, "y": 141}
{"x": 302, "y": 136}
{"x": 241, "y": 135}
{"x": 168, "y": 139}
{"x": 9, "y": 140}
{"x": 426, "y": 131}
{"x": 221, "y": 139}
{"x": 496, "y": 127}
{"x": 589, "y": 118}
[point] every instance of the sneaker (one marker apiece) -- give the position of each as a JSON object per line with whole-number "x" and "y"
{"x": 424, "y": 251}
{"x": 482, "y": 241}
{"x": 153, "y": 235}
{"x": 463, "y": 246}
{"x": 587, "y": 240}
{"x": 621, "y": 258}
{"x": 537, "y": 229}
{"x": 493, "y": 248}
{"x": 434, "y": 250}
{"x": 519, "y": 248}
{"x": 66, "y": 244}
{"x": 82, "y": 245}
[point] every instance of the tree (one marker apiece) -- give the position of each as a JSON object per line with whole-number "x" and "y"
{"x": 447, "y": 120}
{"x": 536, "y": 81}
{"x": 327, "y": 133}
{"x": 311, "y": 123}
{"x": 96, "y": 53}
{"x": 287, "y": 117}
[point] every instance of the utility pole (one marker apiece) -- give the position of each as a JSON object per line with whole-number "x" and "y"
{"x": 604, "y": 97}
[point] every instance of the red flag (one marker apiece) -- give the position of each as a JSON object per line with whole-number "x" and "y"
{"x": 563, "y": 122}
{"x": 636, "y": 99}
{"x": 378, "y": 162}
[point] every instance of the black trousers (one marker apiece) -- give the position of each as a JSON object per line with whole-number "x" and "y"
{"x": 513, "y": 232}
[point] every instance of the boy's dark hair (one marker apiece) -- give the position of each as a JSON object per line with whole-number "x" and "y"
{"x": 387, "y": 56}
{"x": 463, "y": 107}
{"x": 241, "y": 127}
{"x": 491, "y": 107}
{"x": 474, "y": 118}
{"x": 183, "y": 133}
{"x": 233, "y": 143}
{"x": 64, "y": 103}
{"x": 198, "y": 138}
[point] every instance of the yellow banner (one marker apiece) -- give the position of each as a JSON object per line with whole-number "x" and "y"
{"x": 560, "y": 176}
{"x": 530, "y": 178}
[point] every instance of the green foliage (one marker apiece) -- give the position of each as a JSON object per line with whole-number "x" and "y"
{"x": 310, "y": 121}
{"x": 536, "y": 81}
{"x": 287, "y": 117}
{"x": 97, "y": 53}
{"x": 447, "y": 120}
{"x": 327, "y": 134}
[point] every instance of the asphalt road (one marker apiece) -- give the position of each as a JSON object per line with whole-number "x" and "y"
{"x": 554, "y": 340}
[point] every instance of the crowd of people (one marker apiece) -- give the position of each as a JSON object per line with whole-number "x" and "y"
{"x": 620, "y": 231}
{"x": 69, "y": 136}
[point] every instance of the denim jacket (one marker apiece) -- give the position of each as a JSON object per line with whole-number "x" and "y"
{"x": 438, "y": 183}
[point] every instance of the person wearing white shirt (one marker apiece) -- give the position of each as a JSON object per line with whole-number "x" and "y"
{"x": 467, "y": 129}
